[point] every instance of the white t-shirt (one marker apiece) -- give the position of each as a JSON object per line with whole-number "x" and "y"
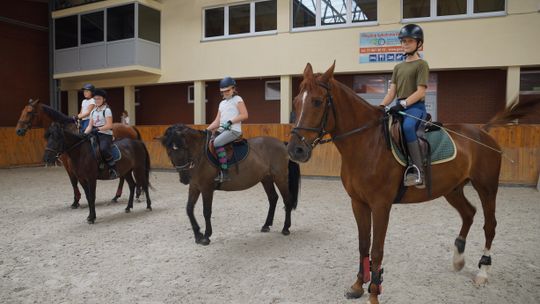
{"x": 98, "y": 116}
{"x": 85, "y": 104}
{"x": 228, "y": 109}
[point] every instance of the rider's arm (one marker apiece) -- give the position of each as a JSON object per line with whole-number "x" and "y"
{"x": 243, "y": 113}
{"x": 108, "y": 124}
{"x": 390, "y": 95}
{"x": 87, "y": 112}
{"x": 215, "y": 124}
{"x": 90, "y": 126}
{"x": 419, "y": 94}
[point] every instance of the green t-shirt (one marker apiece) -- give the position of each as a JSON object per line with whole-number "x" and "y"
{"x": 408, "y": 76}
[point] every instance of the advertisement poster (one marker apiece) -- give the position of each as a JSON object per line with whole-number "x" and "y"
{"x": 378, "y": 47}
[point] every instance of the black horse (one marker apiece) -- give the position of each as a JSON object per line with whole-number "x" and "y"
{"x": 134, "y": 164}
{"x": 267, "y": 163}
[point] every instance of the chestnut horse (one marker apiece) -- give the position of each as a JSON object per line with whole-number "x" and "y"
{"x": 371, "y": 176}
{"x": 33, "y": 115}
{"x": 267, "y": 163}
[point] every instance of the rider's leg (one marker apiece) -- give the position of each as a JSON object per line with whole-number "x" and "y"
{"x": 221, "y": 140}
{"x": 410, "y": 124}
{"x": 105, "y": 142}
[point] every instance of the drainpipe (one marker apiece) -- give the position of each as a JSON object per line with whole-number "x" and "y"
{"x": 54, "y": 92}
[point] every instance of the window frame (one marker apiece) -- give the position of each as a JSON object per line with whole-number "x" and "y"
{"x": 318, "y": 25}
{"x": 104, "y": 11}
{"x": 468, "y": 15}
{"x": 226, "y": 35}
{"x": 528, "y": 92}
{"x": 267, "y": 97}
{"x": 191, "y": 99}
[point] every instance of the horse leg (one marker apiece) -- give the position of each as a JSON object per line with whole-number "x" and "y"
{"x": 283, "y": 187}
{"x": 487, "y": 197}
{"x": 73, "y": 180}
{"x": 138, "y": 191}
{"x": 193, "y": 196}
{"x": 131, "y": 183}
{"x": 362, "y": 215}
{"x": 207, "y": 212}
{"x": 457, "y": 199}
{"x": 272, "y": 200}
{"x": 118, "y": 190}
{"x": 90, "y": 191}
{"x": 381, "y": 216}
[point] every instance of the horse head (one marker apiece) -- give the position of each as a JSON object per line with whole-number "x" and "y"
{"x": 181, "y": 145}
{"x": 26, "y": 119}
{"x": 55, "y": 142}
{"x": 312, "y": 107}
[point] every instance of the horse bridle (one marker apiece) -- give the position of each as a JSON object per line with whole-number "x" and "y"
{"x": 27, "y": 124}
{"x": 321, "y": 130}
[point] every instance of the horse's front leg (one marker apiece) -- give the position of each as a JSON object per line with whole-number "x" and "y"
{"x": 193, "y": 196}
{"x": 362, "y": 215}
{"x": 207, "y": 196}
{"x": 118, "y": 190}
{"x": 90, "y": 191}
{"x": 381, "y": 215}
{"x": 73, "y": 180}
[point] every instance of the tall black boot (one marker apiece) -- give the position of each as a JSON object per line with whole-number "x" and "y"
{"x": 415, "y": 176}
{"x": 112, "y": 169}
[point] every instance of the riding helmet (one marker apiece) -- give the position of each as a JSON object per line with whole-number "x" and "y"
{"x": 227, "y": 82}
{"x": 412, "y": 31}
{"x": 100, "y": 92}
{"x": 90, "y": 87}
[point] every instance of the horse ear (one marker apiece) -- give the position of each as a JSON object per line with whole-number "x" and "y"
{"x": 33, "y": 102}
{"x": 328, "y": 74}
{"x": 308, "y": 71}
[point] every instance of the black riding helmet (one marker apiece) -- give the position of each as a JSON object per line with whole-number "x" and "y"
{"x": 413, "y": 31}
{"x": 90, "y": 87}
{"x": 227, "y": 82}
{"x": 100, "y": 92}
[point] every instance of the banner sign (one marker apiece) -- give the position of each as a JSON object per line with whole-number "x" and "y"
{"x": 381, "y": 47}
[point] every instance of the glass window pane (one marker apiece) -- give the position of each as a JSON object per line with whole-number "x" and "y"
{"x": 303, "y": 13}
{"x": 416, "y": 8}
{"x": 121, "y": 22}
{"x": 333, "y": 12}
{"x": 65, "y": 32}
{"x": 364, "y": 10}
{"x": 272, "y": 90}
{"x": 265, "y": 16}
{"x": 149, "y": 23}
{"x": 92, "y": 27}
{"x": 214, "y": 20}
{"x": 530, "y": 81}
{"x": 484, "y": 6}
{"x": 451, "y": 7}
{"x": 239, "y": 19}
{"x": 370, "y": 84}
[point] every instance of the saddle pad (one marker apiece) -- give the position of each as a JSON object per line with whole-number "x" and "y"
{"x": 443, "y": 148}
{"x": 240, "y": 152}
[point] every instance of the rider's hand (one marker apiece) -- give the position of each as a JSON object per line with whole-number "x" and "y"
{"x": 395, "y": 109}
{"x": 403, "y": 103}
{"x": 95, "y": 131}
{"x": 227, "y": 125}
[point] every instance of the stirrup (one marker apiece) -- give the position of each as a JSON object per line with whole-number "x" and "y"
{"x": 413, "y": 177}
{"x": 112, "y": 173}
{"x": 221, "y": 177}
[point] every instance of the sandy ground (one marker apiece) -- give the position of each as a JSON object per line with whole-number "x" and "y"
{"x": 49, "y": 254}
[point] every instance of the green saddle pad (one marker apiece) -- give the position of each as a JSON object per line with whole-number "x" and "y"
{"x": 443, "y": 148}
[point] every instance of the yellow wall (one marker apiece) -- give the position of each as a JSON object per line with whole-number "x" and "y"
{"x": 503, "y": 41}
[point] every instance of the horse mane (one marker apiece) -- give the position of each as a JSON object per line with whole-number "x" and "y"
{"x": 172, "y": 135}
{"x": 56, "y": 115}
{"x": 515, "y": 110}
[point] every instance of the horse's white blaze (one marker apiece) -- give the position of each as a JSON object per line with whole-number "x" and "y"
{"x": 304, "y": 96}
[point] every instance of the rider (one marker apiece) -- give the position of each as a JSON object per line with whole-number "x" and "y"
{"x": 101, "y": 123}
{"x": 87, "y": 106}
{"x": 409, "y": 83}
{"x": 228, "y": 123}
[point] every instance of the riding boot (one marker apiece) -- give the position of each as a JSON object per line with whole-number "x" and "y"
{"x": 223, "y": 175}
{"x": 415, "y": 176}
{"x": 112, "y": 169}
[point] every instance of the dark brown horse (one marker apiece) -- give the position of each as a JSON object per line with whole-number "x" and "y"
{"x": 372, "y": 177}
{"x": 134, "y": 164}
{"x": 33, "y": 115}
{"x": 267, "y": 163}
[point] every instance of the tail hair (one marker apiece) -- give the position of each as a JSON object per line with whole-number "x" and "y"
{"x": 294, "y": 183}
{"x": 515, "y": 110}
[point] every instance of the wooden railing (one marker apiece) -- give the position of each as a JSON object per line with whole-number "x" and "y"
{"x": 519, "y": 143}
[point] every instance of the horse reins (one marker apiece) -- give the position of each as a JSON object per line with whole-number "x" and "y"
{"x": 321, "y": 131}
{"x": 28, "y": 123}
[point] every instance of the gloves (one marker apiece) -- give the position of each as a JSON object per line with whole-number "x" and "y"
{"x": 94, "y": 131}
{"x": 395, "y": 109}
{"x": 227, "y": 125}
{"x": 74, "y": 118}
{"x": 403, "y": 103}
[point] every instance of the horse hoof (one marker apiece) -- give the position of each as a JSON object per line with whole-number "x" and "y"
{"x": 203, "y": 241}
{"x": 265, "y": 229}
{"x": 128, "y": 210}
{"x": 480, "y": 281}
{"x": 285, "y": 232}
{"x": 90, "y": 221}
{"x": 115, "y": 199}
{"x": 372, "y": 300}
{"x": 75, "y": 206}
{"x": 459, "y": 264}
{"x": 149, "y": 208}
{"x": 354, "y": 293}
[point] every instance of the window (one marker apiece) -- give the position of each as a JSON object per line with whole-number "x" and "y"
{"x": 324, "y": 13}
{"x": 256, "y": 17}
{"x": 451, "y": 9}
{"x": 149, "y": 24}
{"x": 191, "y": 94}
{"x": 529, "y": 82}
{"x": 272, "y": 90}
{"x": 65, "y": 32}
{"x": 92, "y": 27}
{"x": 121, "y": 22}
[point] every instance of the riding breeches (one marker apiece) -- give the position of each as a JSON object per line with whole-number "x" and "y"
{"x": 105, "y": 142}
{"x": 83, "y": 125}
{"x": 226, "y": 137}
{"x": 410, "y": 124}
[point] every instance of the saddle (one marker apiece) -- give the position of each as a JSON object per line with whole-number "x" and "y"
{"x": 236, "y": 150}
{"x": 115, "y": 152}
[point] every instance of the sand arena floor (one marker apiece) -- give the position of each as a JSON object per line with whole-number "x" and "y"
{"x": 49, "y": 254}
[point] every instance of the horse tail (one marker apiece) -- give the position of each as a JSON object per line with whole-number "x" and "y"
{"x": 515, "y": 110}
{"x": 294, "y": 182}
{"x": 138, "y": 133}
{"x": 147, "y": 164}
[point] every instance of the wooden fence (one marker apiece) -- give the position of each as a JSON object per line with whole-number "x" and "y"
{"x": 520, "y": 143}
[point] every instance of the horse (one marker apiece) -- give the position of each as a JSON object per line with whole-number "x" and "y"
{"x": 267, "y": 163}
{"x": 134, "y": 164}
{"x": 371, "y": 176}
{"x": 33, "y": 115}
